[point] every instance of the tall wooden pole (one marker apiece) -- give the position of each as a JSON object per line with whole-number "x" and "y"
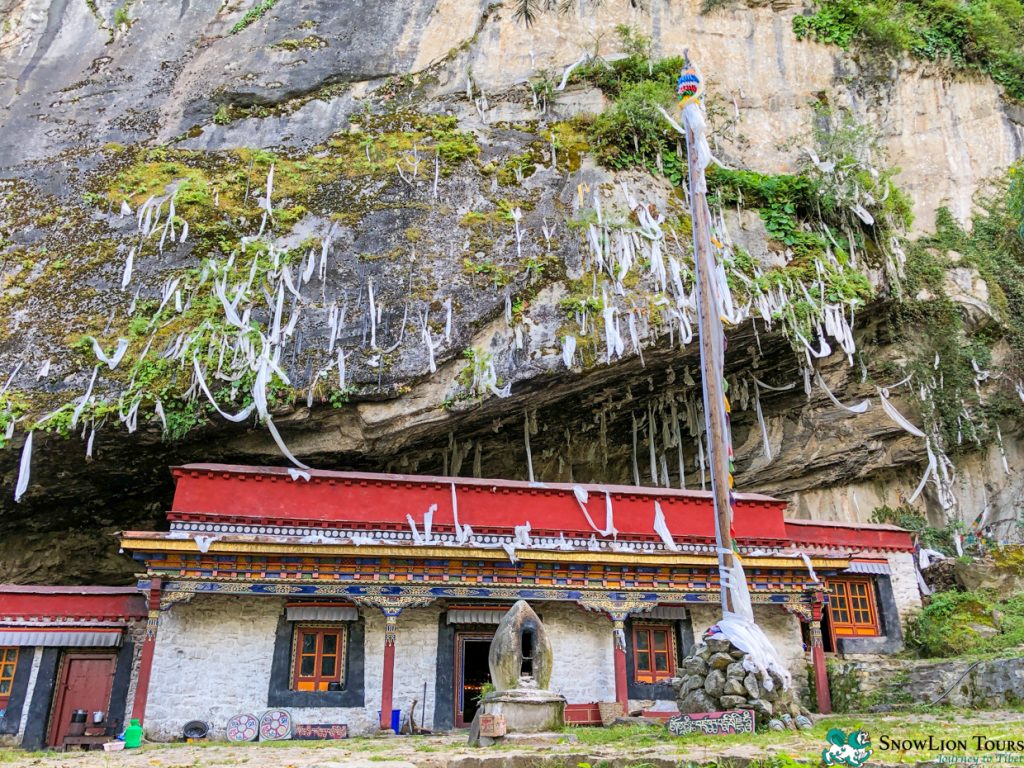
{"x": 711, "y": 349}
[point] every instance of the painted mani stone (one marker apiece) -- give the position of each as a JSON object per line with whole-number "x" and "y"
{"x": 243, "y": 727}
{"x": 275, "y": 724}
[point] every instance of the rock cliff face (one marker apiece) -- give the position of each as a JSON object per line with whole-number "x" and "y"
{"x": 422, "y": 244}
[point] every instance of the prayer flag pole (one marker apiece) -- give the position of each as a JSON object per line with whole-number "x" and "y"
{"x": 737, "y": 624}
{"x": 711, "y": 333}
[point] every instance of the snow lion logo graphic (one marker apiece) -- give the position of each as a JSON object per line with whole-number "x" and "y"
{"x": 853, "y": 750}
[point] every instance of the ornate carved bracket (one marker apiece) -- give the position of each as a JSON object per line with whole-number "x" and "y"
{"x": 170, "y": 599}
{"x": 801, "y": 610}
{"x": 392, "y": 606}
{"x": 153, "y": 605}
{"x": 618, "y": 607}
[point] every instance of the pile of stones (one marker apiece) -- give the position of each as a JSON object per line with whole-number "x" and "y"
{"x": 714, "y": 679}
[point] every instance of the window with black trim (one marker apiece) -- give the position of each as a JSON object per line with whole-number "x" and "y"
{"x": 8, "y": 662}
{"x": 653, "y": 652}
{"x": 852, "y": 608}
{"x": 318, "y": 657}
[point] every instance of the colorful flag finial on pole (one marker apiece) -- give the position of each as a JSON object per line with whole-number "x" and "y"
{"x": 690, "y": 86}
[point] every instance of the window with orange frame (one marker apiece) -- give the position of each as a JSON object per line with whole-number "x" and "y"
{"x": 318, "y": 657}
{"x": 852, "y": 608}
{"x": 653, "y": 653}
{"x": 8, "y": 662}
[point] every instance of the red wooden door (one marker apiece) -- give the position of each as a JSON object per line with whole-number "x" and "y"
{"x": 84, "y": 683}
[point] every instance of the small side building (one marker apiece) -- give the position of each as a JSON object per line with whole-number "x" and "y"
{"x": 62, "y": 649}
{"x": 345, "y": 596}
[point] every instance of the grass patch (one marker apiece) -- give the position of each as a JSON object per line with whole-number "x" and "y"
{"x": 255, "y": 13}
{"x": 623, "y": 735}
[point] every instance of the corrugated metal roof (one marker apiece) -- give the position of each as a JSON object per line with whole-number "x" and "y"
{"x": 475, "y": 615}
{"x": 322, "y": 613}
{"x": 671, "y": 612}
{"x": 63, "y": 639}
{"x": 868, "y": 566}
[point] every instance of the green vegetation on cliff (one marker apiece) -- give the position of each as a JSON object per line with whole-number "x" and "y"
{"x": 953, "y": 357}
{"x": 222, "y": 198}
{"x": 976, "y": 35}
{"x": 255, "y": 13}
{"x": 632, "y": 132}
{"x": 926, "y": 535}
{"x": 959, "y": 623}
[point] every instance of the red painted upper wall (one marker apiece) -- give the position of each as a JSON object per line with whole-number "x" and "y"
{"x": 268, "y": 495}
{"x": 869, "y": 536}
{"x": 86, "y": 603}
{"x": 377, "y": 501}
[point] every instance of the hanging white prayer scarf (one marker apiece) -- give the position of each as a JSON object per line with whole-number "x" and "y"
{"x": 860, "y": 407}
{"x": 568, "y": 350}
{"x": 114, "y": 358}
{"x": 661, "y": 528}
{"x": 241, "y": 416}
{"x": 126, "y": 277}
{"x": 85, "y": 398}
{"x": 896, "y": 416}
{"x": 582, "y": 497}
{"x": 24, "y": 468}
{"x": 760, "y": 420}
{"x": 280, "y": 444}
{"x": 462, "y": 533}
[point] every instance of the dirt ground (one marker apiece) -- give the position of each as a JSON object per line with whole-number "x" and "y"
{"x": 618, "y": 747}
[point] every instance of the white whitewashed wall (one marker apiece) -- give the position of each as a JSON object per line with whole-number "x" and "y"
{"x": 583, "y": 668}
{"x": 906, "y": 592}
{"x": 213, "y": 658}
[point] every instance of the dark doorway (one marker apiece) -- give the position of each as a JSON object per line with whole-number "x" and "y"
{"x": 472, "y": 671}
{"x": 828, "y": 638}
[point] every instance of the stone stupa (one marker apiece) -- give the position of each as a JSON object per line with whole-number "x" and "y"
{"x": 520, "y": 661}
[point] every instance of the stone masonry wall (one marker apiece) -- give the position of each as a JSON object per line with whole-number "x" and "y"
{"x": 583, "y": 647}
{"x": 213, "y": 659}
{"x": 904, "y": 583}
{"x": 988, "y": 684}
